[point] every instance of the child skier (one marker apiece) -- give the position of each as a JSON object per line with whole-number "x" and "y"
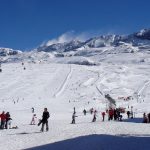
{"x": 33, "y": 119}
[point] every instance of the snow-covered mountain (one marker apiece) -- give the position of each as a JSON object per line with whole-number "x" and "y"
{"x": 61, "y": 47}
{"x": 142, "y": 36}
{"x": 8, "y": 51}
{"x": 79, "y": 51}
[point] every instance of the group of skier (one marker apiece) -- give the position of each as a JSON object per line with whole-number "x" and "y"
{"x": 113, "y": 114}
{"x": 5, "y": 120}
{"x": 43, "y": 121}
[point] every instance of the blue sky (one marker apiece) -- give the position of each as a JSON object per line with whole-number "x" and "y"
{"x": 25, "y": 24}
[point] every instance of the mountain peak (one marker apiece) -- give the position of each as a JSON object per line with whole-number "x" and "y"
{"x": 8, "y": 51}
{"x": 143, "y": 34}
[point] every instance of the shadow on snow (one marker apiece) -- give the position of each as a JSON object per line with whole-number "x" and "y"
{"x": 134, "y": 120}
{"x": 100, "y": 142}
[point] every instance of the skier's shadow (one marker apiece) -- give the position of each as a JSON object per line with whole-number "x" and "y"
{"x": 24, "y": 133}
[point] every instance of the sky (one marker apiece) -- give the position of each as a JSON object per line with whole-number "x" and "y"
{"x": 26, "y": 24}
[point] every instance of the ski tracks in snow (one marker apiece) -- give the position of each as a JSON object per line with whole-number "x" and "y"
{"x": 63, "y": 85}
{"x": 94, "y": 83}
{"x": 142, "y": 89}
{"x": 98, "y": 77}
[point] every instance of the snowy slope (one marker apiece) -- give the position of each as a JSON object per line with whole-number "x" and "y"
{"x": 54, "y": 85}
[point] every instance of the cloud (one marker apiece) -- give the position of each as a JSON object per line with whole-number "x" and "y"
{"x": 67, "y": 37}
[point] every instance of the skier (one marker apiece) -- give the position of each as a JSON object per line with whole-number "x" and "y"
{"x": 128, "y": 114}
{"x": 103, "y": 115}
{"x": 73, "y": 118}
{"x": 8, "y": 121}
{"x": 110, "y": 114}
{"x": 74, "y": 110}
{"x": 148, "y": 117}
{"x": 94, "y": 117}
{"x": 33, "y": 119}
{"x": 32, "y": 110}
{"x": 115, "y": 114}
{"x": 84, "y": 112}
{"x": 145, "y": 119}
{"x": 44, "y": 120}
{"x": 3, "y": 119}
{"x": 119, "y": 115}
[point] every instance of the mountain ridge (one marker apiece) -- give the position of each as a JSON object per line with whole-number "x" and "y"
{"x": 97, "y": 46}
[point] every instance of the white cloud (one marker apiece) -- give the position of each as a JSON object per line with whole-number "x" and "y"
{"x": 66, "y": 37}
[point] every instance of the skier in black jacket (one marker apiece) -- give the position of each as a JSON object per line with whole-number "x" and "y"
{"x": 44, "y": 120}
{"x": 73, "y": 118}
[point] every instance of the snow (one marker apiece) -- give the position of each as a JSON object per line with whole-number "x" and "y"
{"x": 60, "y": 87}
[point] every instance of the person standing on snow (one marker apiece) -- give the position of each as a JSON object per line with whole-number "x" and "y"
{"x": 44, "y": 120}
{"x": 103, "y": 115}
{"x": 94, "y": 117}
{"x": 33, "y": 119}
{"x": 148, "y": 118}
{"x": 8, "y": 121}
{"x": 32, "y": 109}
{"x": 128, "y": 114}
{"x": 110, "y": 113}
{"x": 74, "y": 110}
{"x": 84, "y": 112}
{"x": 73, "y": 118}
{"x": 3, "y": 119}
{"x": 145, "y": 119}
{"x": 115, "y": 114}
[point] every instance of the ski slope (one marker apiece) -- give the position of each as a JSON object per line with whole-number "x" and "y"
{"x": 60, "y": 87}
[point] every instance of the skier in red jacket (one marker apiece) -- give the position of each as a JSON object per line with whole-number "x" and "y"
{"x": 103, "y": 115}
{"x": 3, "y": 119}
{"x": 111, "y": 114}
